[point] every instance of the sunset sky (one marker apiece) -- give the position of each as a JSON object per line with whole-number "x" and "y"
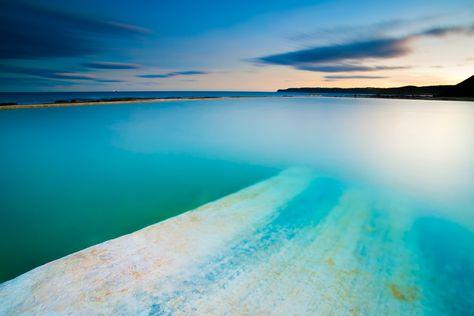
{"x": 103, "y": 45}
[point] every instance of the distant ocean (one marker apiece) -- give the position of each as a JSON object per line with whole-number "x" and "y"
{"x": 51, "y": 97}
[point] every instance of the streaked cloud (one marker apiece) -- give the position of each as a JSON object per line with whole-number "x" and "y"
{"x": 343, "y": 67}
{"x": 174, "y": 74}
{"x": 380, "y": 29}
{"x": 32, "y": 31}
{"x": 108, "y": 80}
{"x": 338, "y": 77}
{"x": 348, "y": 57}
{"x": 111, "y": 65}
{"x": 127, "y": 28}
{"x": 378, "y": 48}
{"x": 33, "y": 81}
{"x": 70, "y": 75}
{"x": 447, "y": 30}
{"x": 53, "y": 74}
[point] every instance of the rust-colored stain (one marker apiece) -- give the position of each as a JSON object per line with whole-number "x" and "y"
{"x": 408, "y": 295}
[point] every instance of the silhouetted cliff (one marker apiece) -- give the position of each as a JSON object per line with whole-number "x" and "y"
{"x": 462, "y": 89}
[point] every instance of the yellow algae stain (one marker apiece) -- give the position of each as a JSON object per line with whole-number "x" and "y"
{"x": 136, "y": 275}
{"x": 349, "y": 273}
{"x": 370, "y": 228}
{"x": 193, "y": 217}
{"x": 330, "y": 262}
{"x": 408, "y": 295}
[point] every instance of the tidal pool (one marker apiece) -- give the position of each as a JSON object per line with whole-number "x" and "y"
{"x": 342, "y": 206}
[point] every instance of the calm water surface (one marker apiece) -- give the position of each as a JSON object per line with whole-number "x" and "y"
{"x": 74, "y": 177}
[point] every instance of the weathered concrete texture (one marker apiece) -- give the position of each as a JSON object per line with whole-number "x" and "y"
{"x": 292, "y": 245}
{"x": 127, "y": 274}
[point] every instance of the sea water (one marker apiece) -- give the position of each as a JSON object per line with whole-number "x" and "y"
{"x": 382, "y": 221}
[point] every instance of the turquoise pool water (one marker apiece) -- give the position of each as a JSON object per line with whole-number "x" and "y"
{"x": 66, "y": 185}
{"x": 392, "y": 193}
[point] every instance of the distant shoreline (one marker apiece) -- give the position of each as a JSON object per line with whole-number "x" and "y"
{"x": 461, "y": 91}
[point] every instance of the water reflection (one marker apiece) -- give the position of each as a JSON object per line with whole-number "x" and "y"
{"x": 419, "y": 149}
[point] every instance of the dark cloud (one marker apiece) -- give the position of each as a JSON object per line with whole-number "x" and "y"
{"x": 45, "y": 73}
{"x": 174, "y": 74}
{"x": 155, "y": 76}
{"x": 191, "y": 72}
{"x": 378, "y": 48}
{"x": 353, "y": 77}
{"x": 348, "y": 56}
{"x": 42, "y": 74}
{"x": 31, "y": 31}
{"x": 5, "y": 82}
{"x": 108, "y": 80}
{"x": 111, "y": 65}
{"x": 70, "y": 76}
{"x": 346, "y": 67}
{"x": 446, "y": 30}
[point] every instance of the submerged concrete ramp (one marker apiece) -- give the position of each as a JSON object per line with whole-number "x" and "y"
{"x": 294, "y": 244}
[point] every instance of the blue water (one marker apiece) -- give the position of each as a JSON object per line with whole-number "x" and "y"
{"x": 72, "y": 177}
{"x": 65, "y": 183}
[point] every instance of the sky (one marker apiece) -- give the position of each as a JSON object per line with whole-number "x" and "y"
{"x": 105, "y": 45}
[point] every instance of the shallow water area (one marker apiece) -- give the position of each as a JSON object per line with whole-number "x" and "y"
{"x": 321, "y": 205}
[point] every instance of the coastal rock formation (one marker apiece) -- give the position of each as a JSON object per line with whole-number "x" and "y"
{"x": 462, "y": 89}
